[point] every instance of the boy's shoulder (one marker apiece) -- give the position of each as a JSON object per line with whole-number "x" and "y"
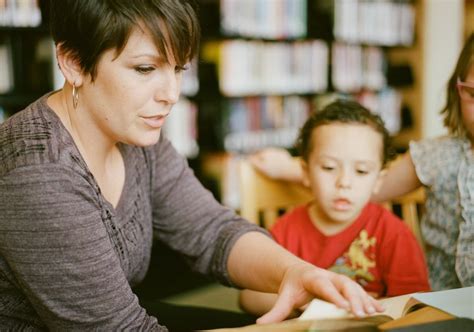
{"x": 297, "y": 214}
{"x": 384, "y": 222}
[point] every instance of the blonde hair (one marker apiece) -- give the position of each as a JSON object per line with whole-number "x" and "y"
{"x": 452, "y": 110}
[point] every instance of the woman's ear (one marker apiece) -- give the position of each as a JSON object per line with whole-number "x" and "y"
{"x": 379, "y": 181}
{"x": 305, "y": 173}
{"x": 69, "y": 66}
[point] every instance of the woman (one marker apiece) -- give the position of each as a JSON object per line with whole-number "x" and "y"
{"x": 86, "y": 179}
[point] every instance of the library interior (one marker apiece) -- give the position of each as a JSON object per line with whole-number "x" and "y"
{"x": 262, "y": 68}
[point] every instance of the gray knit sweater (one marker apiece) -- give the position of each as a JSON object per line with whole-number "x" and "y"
{"x": 68, "y": 258}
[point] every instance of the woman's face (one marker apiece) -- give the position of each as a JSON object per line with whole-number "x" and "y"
{"x": 132, "y": 93}
{"x": 467, "y": 105}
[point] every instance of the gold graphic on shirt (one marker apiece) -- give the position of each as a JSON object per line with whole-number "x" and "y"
{"x": 355, "y": 262}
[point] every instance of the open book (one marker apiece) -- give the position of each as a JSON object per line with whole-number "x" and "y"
{"x": 458, "y": 302}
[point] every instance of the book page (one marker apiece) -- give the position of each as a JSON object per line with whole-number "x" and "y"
{"x": 458, "y": 302}
{"x": 395, "y": 307}
{"x": 319, "y": 309}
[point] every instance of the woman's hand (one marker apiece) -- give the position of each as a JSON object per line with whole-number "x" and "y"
{"x": 277, "y": 163}
{"x": 304, "y": 281}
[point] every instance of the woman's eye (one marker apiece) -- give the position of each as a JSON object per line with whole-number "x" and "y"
{"x": 144, "y": 69}
{"x": 179, "y": 69}
{"x": 362, "y": 172}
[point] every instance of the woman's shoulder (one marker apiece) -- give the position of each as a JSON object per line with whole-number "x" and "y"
{"x": 30, "y": 137}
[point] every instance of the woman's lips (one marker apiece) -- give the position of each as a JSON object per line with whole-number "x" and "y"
{"x": 155, "y": 121}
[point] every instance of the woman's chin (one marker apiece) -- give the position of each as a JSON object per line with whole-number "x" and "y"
{"x": 145, "y": 140}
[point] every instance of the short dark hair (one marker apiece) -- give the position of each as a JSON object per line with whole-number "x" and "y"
{"x": 88, "y": 28}
{"x": 344, "y": 111}
{"x": 452, "y": 109}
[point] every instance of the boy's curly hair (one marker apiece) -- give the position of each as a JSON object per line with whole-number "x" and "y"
{"x": 344, "y": 111}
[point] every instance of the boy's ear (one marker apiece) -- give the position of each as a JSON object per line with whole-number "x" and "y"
{"x": 69, "y": 66}
{"x": 379, "y": 181}
{"x": 305, "y": 173}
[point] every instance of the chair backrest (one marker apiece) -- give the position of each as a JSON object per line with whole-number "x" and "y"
{"x": 262, "y": 200}
{"x": 411, "y": 207}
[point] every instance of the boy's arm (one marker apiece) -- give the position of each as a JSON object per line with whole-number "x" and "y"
{"x": 399, "y": 180}
{"x": 258, "y": 303}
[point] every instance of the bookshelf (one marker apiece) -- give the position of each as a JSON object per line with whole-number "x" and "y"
{"x": 269, "y": 76}
{"x": 25, "y": 53}
{"x": 468, "y": 17}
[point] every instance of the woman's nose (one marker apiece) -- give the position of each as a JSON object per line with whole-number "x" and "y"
{"x": 170, "y": 87}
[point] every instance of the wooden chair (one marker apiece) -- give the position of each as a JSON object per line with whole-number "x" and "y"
{"x": 411, "y": 207}
{"x": 263, "y": 199}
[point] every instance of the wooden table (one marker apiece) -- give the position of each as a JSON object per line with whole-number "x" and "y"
{"x": 423, "y": 315}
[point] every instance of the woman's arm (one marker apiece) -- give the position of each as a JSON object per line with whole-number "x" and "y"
{"x": 256, "y": 262}
{"x": 400, "y": 179}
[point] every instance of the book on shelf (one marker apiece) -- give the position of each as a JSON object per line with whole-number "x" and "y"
{"x": 457, "y": 302}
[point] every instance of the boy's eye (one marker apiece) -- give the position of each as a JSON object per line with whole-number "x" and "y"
{"x": 327, "y": 167}
{"x": 144, "y": 69}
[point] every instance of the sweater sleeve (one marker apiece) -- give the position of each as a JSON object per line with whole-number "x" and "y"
{"x": 188, "y": 218}
{"x": 59, "y": 255}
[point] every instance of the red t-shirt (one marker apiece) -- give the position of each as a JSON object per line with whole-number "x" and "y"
{"x": 377, "y": 250}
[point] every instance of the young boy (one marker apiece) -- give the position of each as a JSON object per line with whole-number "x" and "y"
{"x": 344, "y": 149}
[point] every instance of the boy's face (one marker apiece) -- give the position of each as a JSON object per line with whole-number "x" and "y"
{"x": 343, "y": 170}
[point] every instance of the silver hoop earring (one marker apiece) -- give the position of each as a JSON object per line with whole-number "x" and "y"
{"x": 75, "y": 96}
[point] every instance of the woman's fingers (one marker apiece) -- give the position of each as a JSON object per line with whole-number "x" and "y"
{"x": 346, "y": 294}
{"x": 332, "y": 287}
{"x": 361, "y": 303}
{"x": 280, "y": 311}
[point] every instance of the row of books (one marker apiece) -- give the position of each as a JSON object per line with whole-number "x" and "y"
{"x": 257, "y": 67}
{"x": 190, "y": 81}
{"x": 6, "y": 74}
{"x": 253, "y": 123}
{"x": 387, "y": 23}
{"x": 181, "y": 128}
{"x": 356, "y": 67}
{"x": 3, "y": 114}
{"x": 275, "y": 19}
{"x": 387, "y": 103}
{"x": 20, "y": 13}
